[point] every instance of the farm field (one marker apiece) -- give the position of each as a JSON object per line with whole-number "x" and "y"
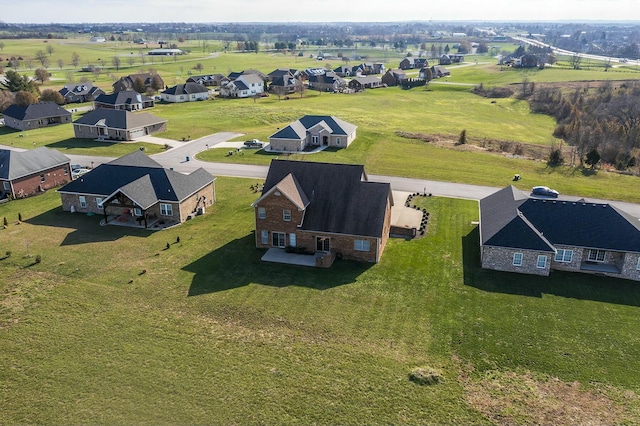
{"x": 112, "y": 327}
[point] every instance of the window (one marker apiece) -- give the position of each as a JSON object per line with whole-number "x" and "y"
{"x": 323, "y": 244}
{"x": 7, "y": 185}
{"x": 83, "y": 201}
{"x": 166, "y": 209}
{"x": 137, "y": 211}
{"x": 265, "y": 237}
{"x": 315, "y": 140}
{"x": 542, "y": 261}
{"x": 42, "y": 178}
{"x": 262, "y": 213}
{"x": 99, "y": 202}
{"x": 292, "y": 240}
{"x": 596, "y": 255}
{"x": 517, "y": 259}
{"x": 337, "y": 141}
{"x": 286, "y": 215}
{"x": 564, "y": 256}
{"x": 278, "y": 239}
{"x": 361, "y": 245}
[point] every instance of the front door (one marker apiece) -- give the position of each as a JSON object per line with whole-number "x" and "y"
{"x": 323, "y": 244}
{"x": 325, "y": 140}
{"x": 278, "y": 239}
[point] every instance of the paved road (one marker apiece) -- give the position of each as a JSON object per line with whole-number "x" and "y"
{"x": 176, "y": 159}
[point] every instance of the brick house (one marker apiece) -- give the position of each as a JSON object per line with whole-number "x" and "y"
{"x": 128, "y": 82}
{"x": 411, "y": 62}
{"x": 120, "y": 125}
{"x": 313, "y": 130}
{"x": 367, "y": 82}
{"x": 136, "y": 187}
{"x": 34, "y": 116}
{"x": 393, "y": 77}
{"x": 30, "y": 172}
{"x": 529, "y": 235}
{"x": 343, "y": 216}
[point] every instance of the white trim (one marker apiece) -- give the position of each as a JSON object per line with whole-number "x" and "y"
{"x": 543, "y": 258}
{"x": 514, "y": 259}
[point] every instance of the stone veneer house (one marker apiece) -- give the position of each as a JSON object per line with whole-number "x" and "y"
{"x": 82, "y": 92}
{"x": 534, "y": 236}
{"x": 329, "y": 210}
{"x": 110, "y": 124}
{"x": 313, "y": 130}
{"x": 185, "y": 93}
{"x": 138, "y": 187}
{"x": 34, "y": 116}
{"x": 30, "y": 172}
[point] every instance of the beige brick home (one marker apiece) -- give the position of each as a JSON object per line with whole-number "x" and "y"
{"x": 529, "y": 235}
{"x": 313, "y": 130}
{"x": 136, "y": 190}
{"x": 119, "y": 125}
{"x": 328, "y": 210}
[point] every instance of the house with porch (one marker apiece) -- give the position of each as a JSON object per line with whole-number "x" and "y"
{"x": 313, "y": 130}
{"x": 394, "y": 77}
{"x": 303, "y": 210}
{"x": 35, "y": 116}
{"x": 119, "y": 125}
{"x": 207, "y": 79}
{"x": 411, "y": 62}
{"x": 359, "y": 84}
{"x": 128, "y": 82}
{"x": 327, "y": 81}
{"x": 528, "y": 235}
{"x": 137, "y": 191}
{"x": 128, "y": 100}
{"x": 25, "y": 173}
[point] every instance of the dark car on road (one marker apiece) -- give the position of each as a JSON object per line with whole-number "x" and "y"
{"x": 545, "y": 191}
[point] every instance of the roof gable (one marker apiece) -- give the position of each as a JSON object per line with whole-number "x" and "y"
{"x": 14, "y": 164}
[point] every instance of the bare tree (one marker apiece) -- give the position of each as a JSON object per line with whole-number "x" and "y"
{"x": 70, "y": 77}
{"x": 116, "y": 62}
{"x": 42, "y": 57}
{"x": 75, "y": 59}
{"x": 300, "y": 87}
{"x": 60, "y": 63}
{"x": 131, "y": 60}
{"x": 575, "y": 61}
{"x": 50, "y": 49}
{"x": 1, "y": 45}
{"x": 42, "y": 74}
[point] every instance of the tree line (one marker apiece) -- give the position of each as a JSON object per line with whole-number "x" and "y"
{"x": 601, "y": 123}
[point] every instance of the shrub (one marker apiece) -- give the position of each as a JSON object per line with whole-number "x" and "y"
{"x": 19, "y": 217}
{"x": 5, "y": 221}
{"x": 425, "y": 376}
{"x": 7, "y": 253}
{"x": 38, "y": 259}
{"x": 555, "y": 157}
{"x": 463, "y": 137}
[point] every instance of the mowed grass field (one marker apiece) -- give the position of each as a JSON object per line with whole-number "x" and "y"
{"x": 210, "y": 334}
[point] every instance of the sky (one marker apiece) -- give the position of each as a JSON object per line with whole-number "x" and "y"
{"x": 110, "y": 11}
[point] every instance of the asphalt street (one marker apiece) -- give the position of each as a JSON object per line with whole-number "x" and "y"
{"x": 176, "y": 159}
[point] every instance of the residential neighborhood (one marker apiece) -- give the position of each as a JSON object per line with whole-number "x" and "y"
{"x": 346, "y": 219}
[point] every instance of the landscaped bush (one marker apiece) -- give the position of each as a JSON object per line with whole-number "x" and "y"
{"x": 425, "y": 376}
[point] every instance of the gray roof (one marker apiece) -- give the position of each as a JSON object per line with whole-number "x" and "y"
{"x": 14, "y": 164}
{"x": 508, "y": 218}
{"x": 297, "y": 130}
{"x": 118, "y": 119}
{"x": 339, "y": 199}
{"x": 123, "y": 97}
{"x": 140, "y": 178}
{"x": 36, "y": 111}
{"x": 186, "y": 89}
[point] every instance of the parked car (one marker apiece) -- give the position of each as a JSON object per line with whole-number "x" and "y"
{"x": 253, "y": 143}
{"x": 545, "y": 191}
{"x": 75, "y": 174}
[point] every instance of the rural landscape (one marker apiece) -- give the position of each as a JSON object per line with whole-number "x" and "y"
{"x": 122, "y": 305}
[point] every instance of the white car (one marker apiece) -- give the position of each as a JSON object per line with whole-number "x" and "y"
{"x": 76, "y": 173}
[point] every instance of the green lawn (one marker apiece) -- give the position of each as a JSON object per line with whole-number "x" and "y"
{"x": 210, "y": 334}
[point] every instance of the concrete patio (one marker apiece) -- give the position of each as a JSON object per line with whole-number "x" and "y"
{"x": 278, "y": 255}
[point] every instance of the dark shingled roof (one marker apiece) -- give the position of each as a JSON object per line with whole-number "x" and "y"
{"x": 141, "y": 178}
{"x": 186, "y": 89}
{"x": 14, "y": 164}
{"x": 118, "y": 119}
{"x": 508, "y": 218}
{"x": 36, "y": 111}
{"x": 297, "y": 129}
{"x": 123, "y": 97}
{"x": 339, "y": 200}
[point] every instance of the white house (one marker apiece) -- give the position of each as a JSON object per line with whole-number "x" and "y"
{"x": 244, "y": 86}
{"x": 186, "y": 93}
